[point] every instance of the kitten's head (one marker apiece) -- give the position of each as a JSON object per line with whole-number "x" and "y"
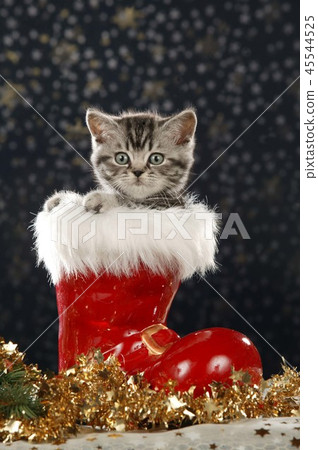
{"x": 142, "y": 155}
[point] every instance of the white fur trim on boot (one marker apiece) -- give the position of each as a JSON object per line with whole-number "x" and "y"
{"x": 71, "y": 241}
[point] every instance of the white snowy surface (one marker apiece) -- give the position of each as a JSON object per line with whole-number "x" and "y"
{"x": 283, "y": 433}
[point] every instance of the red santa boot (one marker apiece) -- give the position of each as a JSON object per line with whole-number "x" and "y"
{"x": 122, "y": 315}
{"x": 116, "y": 274}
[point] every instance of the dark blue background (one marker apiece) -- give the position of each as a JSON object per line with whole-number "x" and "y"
{"x": 228, "y": 59}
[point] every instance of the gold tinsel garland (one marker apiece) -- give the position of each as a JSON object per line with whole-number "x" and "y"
{"x": 98, "y": 393}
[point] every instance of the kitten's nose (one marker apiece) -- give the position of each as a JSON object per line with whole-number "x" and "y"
{"x": 138, "y": 173}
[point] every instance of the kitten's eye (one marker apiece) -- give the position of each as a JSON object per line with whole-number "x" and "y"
{"x": 156, "y": 159}
{"x": 122, "y": 158}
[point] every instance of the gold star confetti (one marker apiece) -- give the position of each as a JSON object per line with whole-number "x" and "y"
{"x": 153, "y": 89}
{"x": 35, "y": 71}
{"x": 158, "y": 51}
{"x": 240, "y": 375}
{"x": 44, "y": 38}
{"x": 104, "y": 40}
{"x": 12, "y": 56}
{"x": 8, "y": 97}
{"x": 207, "y": 46}
{"x": 218, "y": 126}
{"x": 127, "y": 18}
{"x": 76, "y": 130}
{"x": 94, "y": 85}
{"x": 65, "y": 53}
{"x": 64, "y": 13}
{"x": 261, "y": 432}
{"x": 12, "y": 426}
{"x": 10, "y": 347}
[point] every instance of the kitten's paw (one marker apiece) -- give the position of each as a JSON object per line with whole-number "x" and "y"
{"x": 99, "y": 202}
{"x": 62, "y": 197}
{"x": 52, "y": 202}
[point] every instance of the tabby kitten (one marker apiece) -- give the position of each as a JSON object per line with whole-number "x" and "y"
{"x": 139, "y": 158}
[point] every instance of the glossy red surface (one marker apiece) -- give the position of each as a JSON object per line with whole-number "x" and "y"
{"x": 205, "y": 356}
{"x": 126, "y": 316}
{"x": 103, "y": 312}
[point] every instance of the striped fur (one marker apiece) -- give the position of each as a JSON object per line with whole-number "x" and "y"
{"x": 139, "y": 135}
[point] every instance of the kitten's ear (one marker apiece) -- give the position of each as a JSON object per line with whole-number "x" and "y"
{"x": 101, "y": 126}
{"x": 181, "y": 127}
